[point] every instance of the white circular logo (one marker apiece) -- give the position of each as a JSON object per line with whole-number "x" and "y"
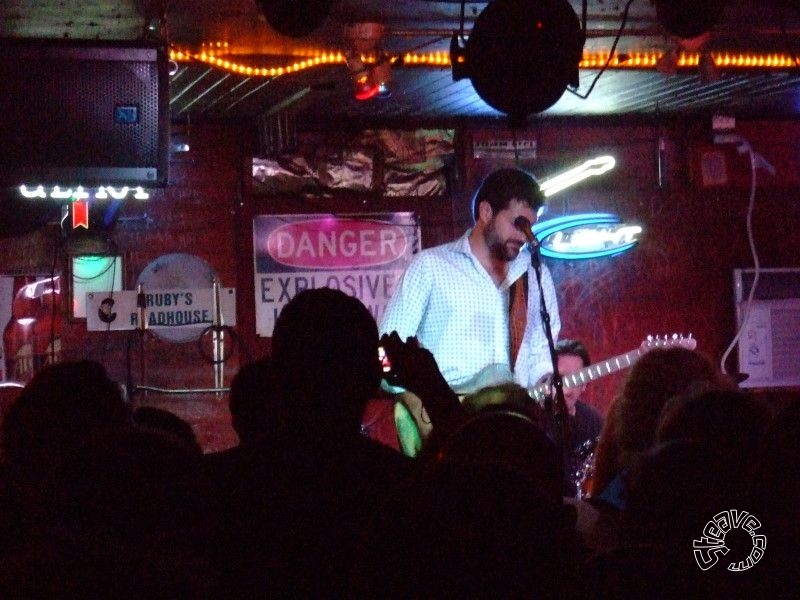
{"x": 708, "y": 548}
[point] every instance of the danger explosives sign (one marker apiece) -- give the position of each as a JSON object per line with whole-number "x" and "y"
{"x": 362, "y": 255}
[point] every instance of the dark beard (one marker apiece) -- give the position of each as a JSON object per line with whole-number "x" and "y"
{"x": 497, "y": 249}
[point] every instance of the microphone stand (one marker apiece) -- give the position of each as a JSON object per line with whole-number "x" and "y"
{"x": 558, "y": 412}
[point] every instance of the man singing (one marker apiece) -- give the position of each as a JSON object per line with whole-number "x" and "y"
{"x": 475, "y": 302}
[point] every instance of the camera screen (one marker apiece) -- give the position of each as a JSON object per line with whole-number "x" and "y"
{"x": 387, "y": 366}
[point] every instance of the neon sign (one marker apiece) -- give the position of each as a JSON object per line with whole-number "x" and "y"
{"x": 590, "y": 168}
{"x": 104, "y": 192}
{"x": 587, "y": 235}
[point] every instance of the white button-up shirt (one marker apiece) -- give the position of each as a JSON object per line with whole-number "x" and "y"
{"x": 448, "y": 300}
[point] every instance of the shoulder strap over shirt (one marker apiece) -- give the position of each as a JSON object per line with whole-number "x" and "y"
{"x": 517, "y": 315}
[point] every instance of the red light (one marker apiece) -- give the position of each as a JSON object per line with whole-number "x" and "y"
{"x": 80, "y": 214}
{"x": 366, "y": 91}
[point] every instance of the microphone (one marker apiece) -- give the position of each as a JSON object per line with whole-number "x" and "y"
{"x": 525, "y": 227}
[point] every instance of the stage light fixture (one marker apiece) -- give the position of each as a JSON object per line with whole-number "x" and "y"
{"x": 522, "y": 54}
{"x": 295, "y": 18}
{"x": 373, "y": 81}
{"x": 365, "y": 89}
{"x": 384, "y": 91}
{"x": 371, "y": 78}
{"x": 458, "y": 57}
{"x": 689, "y": 18}
{"x": 709, "y": 73}
{"x": 381, "y": 76}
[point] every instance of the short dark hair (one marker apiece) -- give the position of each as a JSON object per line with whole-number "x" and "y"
{"x": 503, "y": 185}
{"x": 573, "y": 348}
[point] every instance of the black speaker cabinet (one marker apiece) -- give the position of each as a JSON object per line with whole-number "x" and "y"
{"x": 81, "y": 113}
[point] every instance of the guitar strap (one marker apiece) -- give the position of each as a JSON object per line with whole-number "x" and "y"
{"x": 517, "y": 315}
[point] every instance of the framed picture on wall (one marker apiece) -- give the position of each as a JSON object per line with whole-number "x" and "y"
{"x": 93, "y": 273}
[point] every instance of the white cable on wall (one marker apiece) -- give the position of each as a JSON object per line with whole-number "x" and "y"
{"x": 756, "y": 160}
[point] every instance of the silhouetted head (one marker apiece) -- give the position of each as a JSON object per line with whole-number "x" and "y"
{"x": 731, "y": 421}
{"x": 652, "y": 381}
{"x": 253, "y": 401}
{"x": 60, "y": 407}
{"x": 325, "y": 355}
{"x": 506, "y": 439}
{"x": 162, "y": 420}
{"x": 632, "y": 419}
{"x": 673, "y": 489}
{"x": 508, "y": 395}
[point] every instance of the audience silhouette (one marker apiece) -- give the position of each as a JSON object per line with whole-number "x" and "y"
{"x": 60, "y": 408}
{"x": 630, "y": 427}
{"x": 730, "y": 422}
{"x": 101, "y": 507}
{"x": 292, "y": 520}
{"x": 465, "y": 530}
{"x": 253, "y": 403}
{"x": 160, "y": 419}
{"x": 505, "y": 438}
{"x": 97, "y": 500}
{"x": 775, "y": 487}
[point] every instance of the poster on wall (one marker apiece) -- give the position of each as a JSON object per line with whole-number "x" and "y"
{"x": 363, "y": 255}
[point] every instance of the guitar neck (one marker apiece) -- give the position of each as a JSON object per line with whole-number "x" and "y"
{"x": 591, "y": 373}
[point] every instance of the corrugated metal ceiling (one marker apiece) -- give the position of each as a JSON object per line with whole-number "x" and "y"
{"x": 324, "y": 94}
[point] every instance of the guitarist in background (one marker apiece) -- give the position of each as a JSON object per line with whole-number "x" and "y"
{"x": 474, "y": 302}
{"x": 584, "y": 422}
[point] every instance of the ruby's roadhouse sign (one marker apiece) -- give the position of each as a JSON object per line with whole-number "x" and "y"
{"x": 362, "y": 255}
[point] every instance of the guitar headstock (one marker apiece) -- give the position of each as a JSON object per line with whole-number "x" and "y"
{"x": 676, "y": 340}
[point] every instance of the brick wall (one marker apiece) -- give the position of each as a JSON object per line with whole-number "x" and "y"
{"x": 678, "y": 280}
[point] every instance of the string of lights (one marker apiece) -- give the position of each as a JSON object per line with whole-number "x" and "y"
{"x": 441, "y": 59}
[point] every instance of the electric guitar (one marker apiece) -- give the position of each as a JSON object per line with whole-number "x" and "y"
{"x": 612, "y": 365}
{"x": 413, "y": 425}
